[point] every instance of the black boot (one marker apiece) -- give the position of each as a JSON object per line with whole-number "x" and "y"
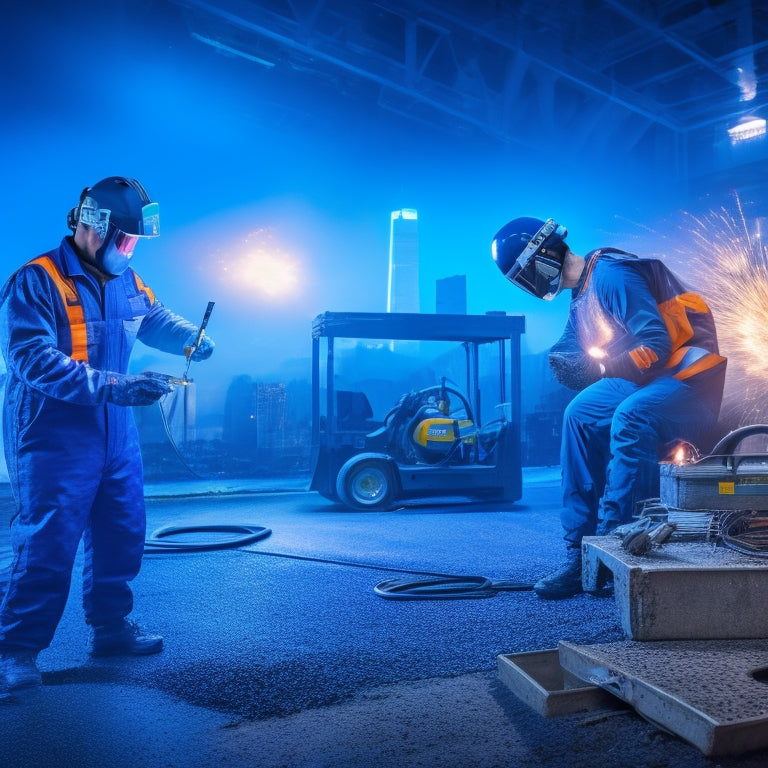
{"x": 18, "y": 670}
{"x": 565, "y": 582}
{"x": 122, "y": 638}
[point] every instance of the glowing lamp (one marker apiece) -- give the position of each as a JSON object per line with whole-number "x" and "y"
{"x": 751, "y": 128}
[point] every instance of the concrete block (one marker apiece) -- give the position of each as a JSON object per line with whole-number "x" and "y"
{"x": 683, "y": 590}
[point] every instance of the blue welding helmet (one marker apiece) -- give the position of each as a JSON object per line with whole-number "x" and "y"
{"x": 530, "y": 253}
{"x": 118, "y": 202}
{"x": 120, "y": 211}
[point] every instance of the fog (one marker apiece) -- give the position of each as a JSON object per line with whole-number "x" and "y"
{"x": 275, "y": 192}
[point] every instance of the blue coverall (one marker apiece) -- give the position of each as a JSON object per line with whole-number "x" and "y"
{"x": 663, "y": 381}
{"x": 73, "y": 458}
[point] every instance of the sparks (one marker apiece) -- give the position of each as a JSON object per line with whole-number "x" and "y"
{"x": 729, "y": 263}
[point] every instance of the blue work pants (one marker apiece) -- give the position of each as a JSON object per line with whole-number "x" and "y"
{"x": 86, "y": 492}
{"x": 612, "y": 435}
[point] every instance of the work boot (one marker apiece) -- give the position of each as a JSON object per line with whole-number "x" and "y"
{"x": 122, "y": 638}
{"x": 565, "y": 582}
{"x": 18, "y": 670}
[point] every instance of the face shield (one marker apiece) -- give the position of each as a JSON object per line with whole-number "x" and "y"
{"x": 538, "y": 267}
{"x": 114, "y": 254}
{"x": 125, "y": 218}
{"x": 146, "y": 224}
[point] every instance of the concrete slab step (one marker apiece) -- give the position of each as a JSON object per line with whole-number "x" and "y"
{"x": 712, "y": 693}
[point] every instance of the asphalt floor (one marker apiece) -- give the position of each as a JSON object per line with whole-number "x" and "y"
{"x": 280, "y": 654}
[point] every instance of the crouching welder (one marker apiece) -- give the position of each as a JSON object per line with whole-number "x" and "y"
{"x": 68, "y": 322}
{"x": 642, "y": 351}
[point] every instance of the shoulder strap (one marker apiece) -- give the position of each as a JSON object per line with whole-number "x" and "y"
{"x": 142, "y": 286}
{"x": 72, "y": 306}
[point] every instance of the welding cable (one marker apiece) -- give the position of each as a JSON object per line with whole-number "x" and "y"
{"x": 169, "y": 435}
{"x": 446, "y": 588}
{"x": 156, "y": 544}
{"x": 436, "y": 586}
{"x": 745, "y": 531}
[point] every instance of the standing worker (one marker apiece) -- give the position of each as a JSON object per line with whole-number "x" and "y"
{"x": 68, "y": 323}
{"x": 643, "y": 352}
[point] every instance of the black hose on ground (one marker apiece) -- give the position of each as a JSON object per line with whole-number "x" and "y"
{"x": 157, "y": 544}
{"x": 446, "y": 588}
{"x": 438, "y": 586}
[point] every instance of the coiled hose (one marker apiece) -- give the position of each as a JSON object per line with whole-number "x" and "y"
{"x": 157, "y": 544}
{"x": 438, "y": 586}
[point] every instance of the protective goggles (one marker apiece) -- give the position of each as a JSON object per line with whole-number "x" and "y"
{"x": 94, "y": 217}
{"x": 116, "y": 251}
{"x": 98, "y": 219}
{"x": 124, "y": 244}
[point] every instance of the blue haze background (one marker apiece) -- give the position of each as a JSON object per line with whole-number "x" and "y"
{"x": 237, "y": 154}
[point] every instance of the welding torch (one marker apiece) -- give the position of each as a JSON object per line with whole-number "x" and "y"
{"x": 190, "y": 350}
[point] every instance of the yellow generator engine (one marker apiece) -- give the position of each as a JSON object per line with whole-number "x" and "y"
{"x": 438, "y": 437}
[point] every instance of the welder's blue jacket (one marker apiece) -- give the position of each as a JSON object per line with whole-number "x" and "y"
{"x": 73, "y": 456}
{"x": 636, "y": 318}
{"x": 661, "y": 382}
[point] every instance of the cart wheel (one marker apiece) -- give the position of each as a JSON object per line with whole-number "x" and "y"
{"x": 366, "y": 484}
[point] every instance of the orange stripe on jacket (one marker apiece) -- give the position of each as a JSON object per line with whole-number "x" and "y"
{"x": 142, "y": 286}
{"x": 72, "y": 305}
{"x": 702, "y": 364}
{"x": 674, "y": 311}
{"x": 643, "y": 357}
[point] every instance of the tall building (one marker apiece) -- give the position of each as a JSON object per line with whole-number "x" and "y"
{"x": 255, "y": 414}
{"x": 403, "y": 287}
{"x": 451, "y": 295}
{"x": 270, "y": 415}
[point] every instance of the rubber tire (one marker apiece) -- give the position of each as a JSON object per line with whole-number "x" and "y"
{"x": 367, "y": 484}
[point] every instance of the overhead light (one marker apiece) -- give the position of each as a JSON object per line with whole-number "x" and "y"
{"x": 746, "y": 78}
{"x": 233, "y": 51}
{"x": 749, "y": 128}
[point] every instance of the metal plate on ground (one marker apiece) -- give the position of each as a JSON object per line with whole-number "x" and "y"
{"x": 538, "y": 679}
{"x": 712, "y": 693}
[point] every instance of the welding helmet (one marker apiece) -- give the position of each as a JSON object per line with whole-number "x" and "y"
{"x": 531, "y": 253}
{"x": 120, "y": 211}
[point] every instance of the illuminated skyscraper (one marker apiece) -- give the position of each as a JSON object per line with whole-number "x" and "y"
{"x": 403, "y": 287}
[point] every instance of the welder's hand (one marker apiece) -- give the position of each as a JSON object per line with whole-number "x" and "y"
{"x": 574, "y": 372}
{"x": 623, "y": 366}
{"x": 204, "y": 348}
{"x": 138, "y": 389}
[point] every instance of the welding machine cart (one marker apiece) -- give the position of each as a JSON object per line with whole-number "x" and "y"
{"x": 356, "y": 461}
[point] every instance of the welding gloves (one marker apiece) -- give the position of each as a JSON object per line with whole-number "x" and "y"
{"x": 625, "y": 365}
{"x": 137, "y": 389}
{"x": 204, "y": 348}
{"x": 571, "y": 366}
{"x": 576, "y": 371}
